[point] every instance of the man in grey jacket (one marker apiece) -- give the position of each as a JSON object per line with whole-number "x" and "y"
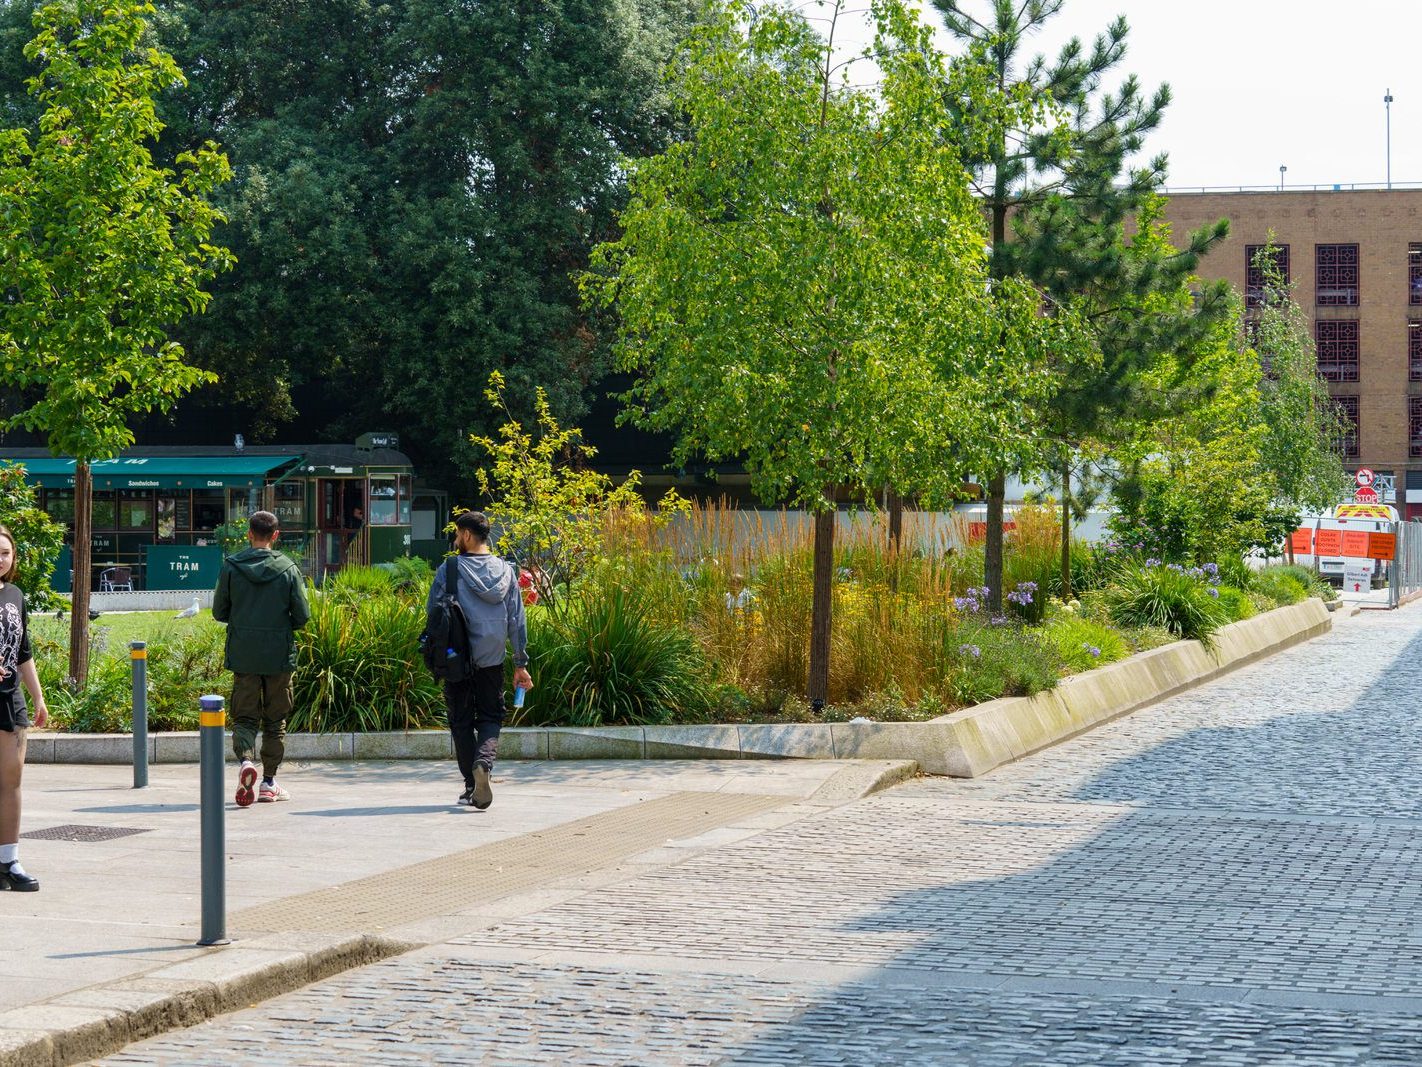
{"x": 493, "y": 609}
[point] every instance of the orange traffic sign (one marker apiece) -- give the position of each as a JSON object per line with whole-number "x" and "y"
{"x": 1382, "y": 546}
{"x": 1301, "y": 541}
{"x": 1329, "y": 543}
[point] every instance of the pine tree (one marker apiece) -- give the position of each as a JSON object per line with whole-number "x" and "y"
{"x": 1059, "y": 196}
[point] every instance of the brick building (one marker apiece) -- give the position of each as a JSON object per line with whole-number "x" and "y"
{"x": 1355, "y": 259}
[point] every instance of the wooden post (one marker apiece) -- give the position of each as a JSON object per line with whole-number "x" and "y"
{"x": 820, "y": 620}
{"x": 83, "y": 573}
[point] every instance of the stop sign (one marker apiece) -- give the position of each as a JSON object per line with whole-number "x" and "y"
{"x": 1365, "y": 494}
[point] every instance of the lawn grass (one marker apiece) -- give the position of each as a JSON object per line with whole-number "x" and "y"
{"x": 114, "y": 630}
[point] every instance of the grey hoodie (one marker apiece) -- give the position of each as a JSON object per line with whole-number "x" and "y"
{"x": 493, "y": 607}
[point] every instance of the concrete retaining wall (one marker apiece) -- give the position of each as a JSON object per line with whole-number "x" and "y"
{"x": 151, "y": 600}
{"x": 964, "y": 744}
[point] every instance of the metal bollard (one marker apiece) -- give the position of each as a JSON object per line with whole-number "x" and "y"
{"x": 214, "y": 876}
{"x": 138, "y": 654}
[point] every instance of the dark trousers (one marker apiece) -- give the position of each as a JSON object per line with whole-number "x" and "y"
{"x": 261, "y": 702}
{"x": 476, "y": 715}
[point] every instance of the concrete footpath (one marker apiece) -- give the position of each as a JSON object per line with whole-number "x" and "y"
{"x": 366, "y": 860}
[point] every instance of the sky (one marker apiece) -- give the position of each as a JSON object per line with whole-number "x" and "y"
{"x": 1260, "y": 83}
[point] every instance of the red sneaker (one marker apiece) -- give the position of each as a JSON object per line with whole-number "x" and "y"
{"x": 246, "y": 781}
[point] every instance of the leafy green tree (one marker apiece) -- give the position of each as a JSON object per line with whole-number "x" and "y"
{"x": 1301, "y": 452}
{"x": 550, "y": 510}
{"x": 1050, "y": 168}
{"x": 801, "y": 284}
{"x": 1193, "y": 487}
{"x": 38, "y": 538}
{"x": 103, "y": 251}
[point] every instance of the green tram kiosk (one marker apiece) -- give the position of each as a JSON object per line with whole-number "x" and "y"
{"x": 157, "y": 510}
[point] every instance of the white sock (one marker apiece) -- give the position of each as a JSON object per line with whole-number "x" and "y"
{"x": 10, "y": 853}
{"x": 15, "y": 868}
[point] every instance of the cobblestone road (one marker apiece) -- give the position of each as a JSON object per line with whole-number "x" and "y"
{"x": 1229, "y": 877}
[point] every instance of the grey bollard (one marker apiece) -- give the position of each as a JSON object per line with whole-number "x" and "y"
{"x": 138, "y": 654}
{"x": 211, "y": 720}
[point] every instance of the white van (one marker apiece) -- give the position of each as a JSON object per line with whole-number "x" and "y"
{"x": 1369, "y": 518}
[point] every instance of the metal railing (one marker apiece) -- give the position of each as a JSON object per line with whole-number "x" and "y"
{"x": 1330, "y": 187}
{"x": 1405, "y": 571}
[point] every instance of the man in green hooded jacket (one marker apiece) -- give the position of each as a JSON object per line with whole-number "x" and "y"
{"x": 261, "y": 596}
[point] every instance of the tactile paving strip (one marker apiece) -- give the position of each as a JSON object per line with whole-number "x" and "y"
{"x": 450, "y": 884}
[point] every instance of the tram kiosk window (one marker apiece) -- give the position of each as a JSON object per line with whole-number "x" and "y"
{"x": 208, "y": 508}
{"x": 135, "y": 510}
{"x": 384, "y": 504}
{"x": 289, "y": 505}
{"x": 241, "y": 503}
{"x": 59, "y": 503}
{"x": 103, "y": 511}
{"x": 406, "y": 494}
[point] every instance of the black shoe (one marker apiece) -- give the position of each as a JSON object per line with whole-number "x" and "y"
{"x": 21, "y": 882}
{"x": 467, "y": 797}
{"x": 483, "y": 795}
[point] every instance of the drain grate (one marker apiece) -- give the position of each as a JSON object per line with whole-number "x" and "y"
{"x": 75, "y": 832}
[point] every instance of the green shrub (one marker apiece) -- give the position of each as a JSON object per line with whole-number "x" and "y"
{"x": 1091, "y": 568}
{"x": 983, "y": 662}
{"x": 607, "y": 660}
{"x": 1234, "y": 571}
{"x": 356, "y": 582}
{"x": 182, "y": 666}
{"x": 1082, "y": 644}
{"x": 1311, "y": 580}
{"x": 358, "y": 666}
{"x": 411, "y": 575}
{"x": 1236, "y": 603}
{"x": 1280, "y": 586}
{"x": 1166, "y": 597}
{"x": 1261, "y": 602}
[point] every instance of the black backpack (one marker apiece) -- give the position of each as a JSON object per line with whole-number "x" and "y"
{"x": 445, "y": 642}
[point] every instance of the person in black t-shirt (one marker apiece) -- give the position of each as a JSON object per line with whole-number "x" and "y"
{"x": 16, "y": 665}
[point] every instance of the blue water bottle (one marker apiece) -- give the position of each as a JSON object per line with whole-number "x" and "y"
{"x": 518, "y": 695}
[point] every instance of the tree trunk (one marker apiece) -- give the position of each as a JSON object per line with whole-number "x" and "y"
{"x": 79, "y": 612}
{"x": 1066, "y": 529}
{"x": 818, "y": 688}
{"x": 896, "y": 522}
{"x": 992, "y": 556}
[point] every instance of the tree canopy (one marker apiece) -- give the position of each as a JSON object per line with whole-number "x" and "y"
{"x": 803, "y": 281}
{"x": 416, "y": 183}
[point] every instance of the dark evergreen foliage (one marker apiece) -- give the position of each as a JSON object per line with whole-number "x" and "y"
{"x": 416, "y": 182}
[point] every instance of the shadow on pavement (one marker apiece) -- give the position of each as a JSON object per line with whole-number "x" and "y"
{"x": 1247, "y": 861}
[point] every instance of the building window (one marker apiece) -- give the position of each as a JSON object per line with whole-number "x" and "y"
{"x": 1348, "y": 411}
{"x": 1336, "y": 275}
{"x": 135, "y": 510}
{"x": 1337, "y": 342}
{"x": 1414, "y": 426}
{"x": 1414, "y": 273}
{"x": 1254, "y": 277}
{"x": 1414, "y": 350}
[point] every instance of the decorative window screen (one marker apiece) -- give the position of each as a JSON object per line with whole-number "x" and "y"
{"x": 1336, "y": 275}
{"x": 1337, "y": 343}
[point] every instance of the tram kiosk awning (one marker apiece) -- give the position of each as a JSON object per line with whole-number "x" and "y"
{"x": 158, "y": 472}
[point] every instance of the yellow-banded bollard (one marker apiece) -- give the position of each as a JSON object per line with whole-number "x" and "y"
{"x": 138, "y": 655}
{"x": 211, "y": 720}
